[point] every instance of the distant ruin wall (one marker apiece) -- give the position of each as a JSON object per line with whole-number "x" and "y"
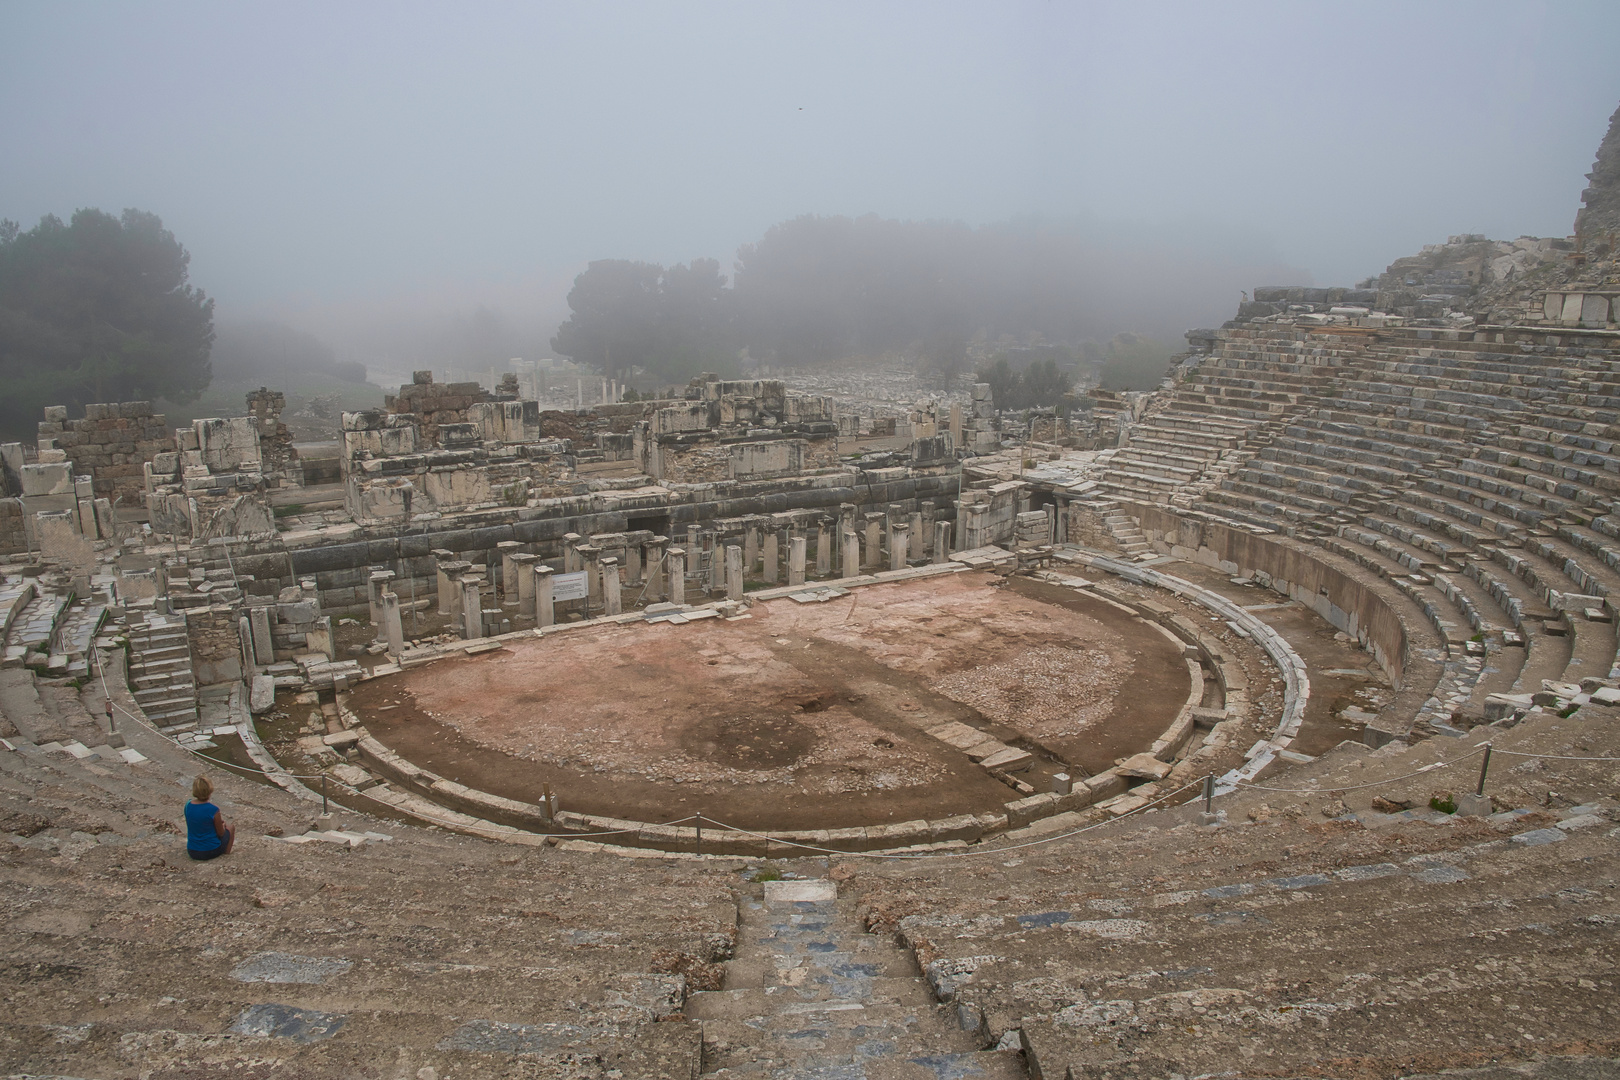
{"x": 113, "y": 442}
{"x": 341, "y": 570}
{"x": 1337, "y": 597}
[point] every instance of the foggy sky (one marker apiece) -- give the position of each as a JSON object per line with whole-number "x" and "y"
{"x": 319, "y": 158}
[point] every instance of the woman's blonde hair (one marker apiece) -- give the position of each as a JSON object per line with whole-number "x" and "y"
{"x": 202, "y": 787}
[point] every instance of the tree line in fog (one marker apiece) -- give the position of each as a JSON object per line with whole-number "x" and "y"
{"x": 818, "y": 289}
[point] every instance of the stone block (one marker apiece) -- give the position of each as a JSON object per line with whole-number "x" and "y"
{"x": 1008, "y": 759}
{"x": 1105, "y": 785}
{"x": 1023, "y": 811}
{"x": 262, "y": 696}
{"x": 1473, "y": 805}
{"x": 47, "y": 479}
{"x": 959, "y": 827}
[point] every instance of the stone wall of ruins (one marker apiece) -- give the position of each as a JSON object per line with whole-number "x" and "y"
{"x": 112, "y": 443}
{"x": 435, "y": 404}
{"x": 278, "y": 458}
{"x": 212, "y": 486}
{"x": 340, "y": 566}
{"x": 216, "y": 644}
{"x": 1341, "y": 600}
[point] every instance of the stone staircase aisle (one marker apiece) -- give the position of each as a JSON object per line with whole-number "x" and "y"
{"x": 810, "y": 995}
{"x": 160, "y": 672}
{"x": 1130, "y": 538}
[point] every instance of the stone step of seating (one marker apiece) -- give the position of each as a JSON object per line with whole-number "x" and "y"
{"x": 1237, "y": 388}
{"x": 1195, "y": 406}
{"x": 1141, "y": 480}
{"x": 1198, "y": 427}
{"x": 1449, "y": 438}
{"x": 1592, "y": 472}
{"x": 165, "y": 668}
{"x": 1569, "y": 487}
{"x": 1338, "y": 486}
{"x": 1278, "y": 493}
{"x": 1192, "y": 945}
{"x": 1317, "y": 456}
{"x": 164, "y": 703}
{"x": 1483, "y": 516}
{"x": 1565, "y": 484}
{"x": 1219, "y": 391}
{"x": 1186, "y": 451}
{"x": 1258, "y": 509}
{"x": 270, "y": 969}
{"x": 1170, "y": 466}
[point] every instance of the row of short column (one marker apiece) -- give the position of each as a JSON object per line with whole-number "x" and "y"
{"x": 524, "y": 582}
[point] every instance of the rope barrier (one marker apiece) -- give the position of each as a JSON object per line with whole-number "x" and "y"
{"x": 1556, "y": 757}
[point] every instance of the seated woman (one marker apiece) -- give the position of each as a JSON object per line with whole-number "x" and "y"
{"x": 207, "y": 835}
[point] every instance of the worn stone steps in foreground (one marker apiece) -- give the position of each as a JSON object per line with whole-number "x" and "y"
{"x": 811, "y": 994}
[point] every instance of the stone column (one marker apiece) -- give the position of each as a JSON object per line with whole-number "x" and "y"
{"x": 852, "y": 554}
{"x": 591, "y": 556}
{"x": 447, "y": 590}
{"x": 942, "y": 541}
{"x": 899, "y": 546}
{"x": 264, "y": 647}
{"x": 773, "y": 546}
{"x": 393, "y": 628}
{"x": 919, "y": 539}
{"x": 508, "y": 590}
{"x": 848, "y": 518}
{"x": 244, "y": 645}
{"x": 796, "y": 548}
{"x": 572, "y": 563}
{"x": 611, "y": 603}
{"x": 544, "y": 614}
{"x": 717, "y": 565}
{"x": 750, "y": 548}
{"x": 632, "y": 564}
{"x": 523, "y": 567}
{"x": 455, "y": 571}
{"x": 734, "y": 572}
{"x": 654, "y": 549}
{"x": 677, "y": 575}
{"x": 472, "y": 607}
{"x": 874, "y": 541}
{"x": 823, "y": 548}
{"x": 374, "y": 589}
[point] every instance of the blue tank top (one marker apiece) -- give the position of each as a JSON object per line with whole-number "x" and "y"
{"x": 200, "y": 834}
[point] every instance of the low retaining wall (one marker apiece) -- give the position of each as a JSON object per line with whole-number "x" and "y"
{"x": 1340, "y": 599}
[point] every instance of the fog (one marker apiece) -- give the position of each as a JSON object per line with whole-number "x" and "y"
{"x": 377, "y": 174}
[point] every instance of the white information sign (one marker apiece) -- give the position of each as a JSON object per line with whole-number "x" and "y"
{"x": 568, "y": 587}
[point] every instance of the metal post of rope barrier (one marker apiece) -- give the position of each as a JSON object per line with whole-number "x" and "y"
{"x": 1209, "y": 792}
{"x": 699, "y": 848}
{"x": 323, "y": 794}
{"x": 1484, "y": 767}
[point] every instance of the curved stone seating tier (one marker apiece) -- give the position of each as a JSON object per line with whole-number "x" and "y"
{"x": 1121, "y": 975}
{"x": 328, "y": 955}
